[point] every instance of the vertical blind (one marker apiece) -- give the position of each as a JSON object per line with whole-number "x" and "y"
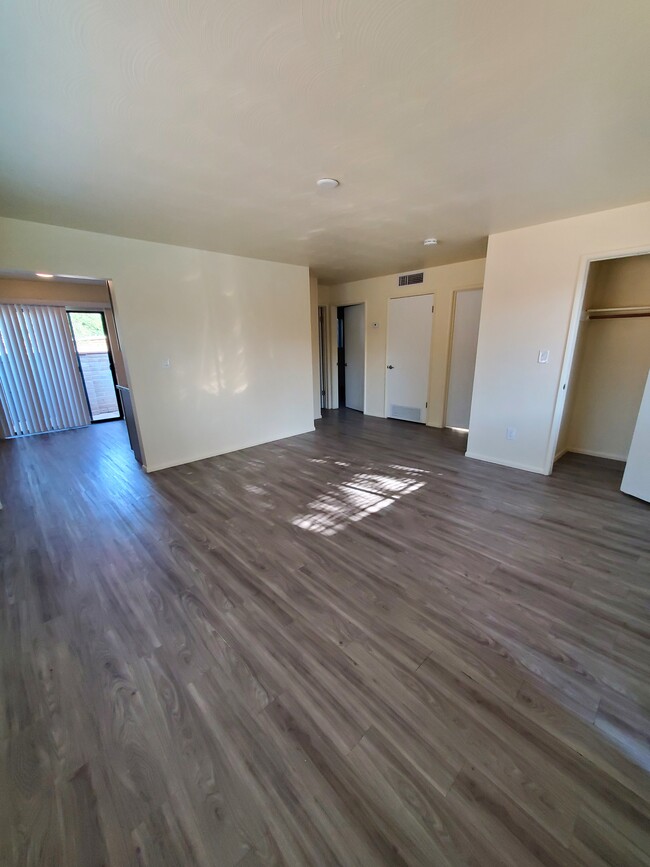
{"x": 40, "y": 384}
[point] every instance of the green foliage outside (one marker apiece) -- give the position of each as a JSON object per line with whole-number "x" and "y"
{"x": 87, "y": 325}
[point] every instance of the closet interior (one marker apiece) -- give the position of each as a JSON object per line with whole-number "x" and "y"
{"x": 611, "y": 360}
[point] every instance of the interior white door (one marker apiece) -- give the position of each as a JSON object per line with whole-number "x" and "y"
{"x": 354, "y": 342}
{"x": 636, "y": 478}
{"x": 407, "y": 357}
{"x": 467, "y": 315}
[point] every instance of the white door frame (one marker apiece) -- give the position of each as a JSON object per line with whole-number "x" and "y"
{"x": 325, "y": 398}
{"x": 332, "y": 338}
{"x": 572, "y": 338}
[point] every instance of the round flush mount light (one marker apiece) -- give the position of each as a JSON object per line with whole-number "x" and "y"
{"x": 327, "y": 183}
{"x": 45, "y": 276}
{"x": 430, "y": 242}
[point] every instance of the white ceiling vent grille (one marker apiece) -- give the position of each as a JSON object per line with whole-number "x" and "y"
{"x": 410, "y": 279}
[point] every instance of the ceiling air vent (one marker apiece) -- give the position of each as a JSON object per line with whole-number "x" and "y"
{"x": 410, "y": 279}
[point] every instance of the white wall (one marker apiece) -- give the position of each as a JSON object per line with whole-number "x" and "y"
{"x": 532, "y": 292}
{"x": 236, "y": 330}
{"x": 612, "y": 362}
{"x": 375, "y": 292}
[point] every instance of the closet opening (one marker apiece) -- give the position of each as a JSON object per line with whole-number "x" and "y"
{"x": 607, "y": 382}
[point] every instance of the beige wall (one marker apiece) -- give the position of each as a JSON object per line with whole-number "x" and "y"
{"x": 636, "y": 478}
{"x": 375, "y": 293}
{"x": 466, "y": 319}
{"x": 236, "y": 331}
{"x": 532, "y": 298}
{"x": 315, "y": 354}
{"x": 612, "y": 362}
{"x": 53, "y": 292}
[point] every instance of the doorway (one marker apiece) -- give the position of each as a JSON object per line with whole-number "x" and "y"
{"x": 351, "y": 359}
{"x": 611, "y": 358}
{"x": 408, "y": 355}
{"x": 96, "y": 365}
{"x": 462, "y": 357}
{"x": 323, "y": 365}
{"x": 60, "y": 357}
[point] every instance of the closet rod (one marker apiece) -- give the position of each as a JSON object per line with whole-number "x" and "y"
{"x": 617, "y": 312}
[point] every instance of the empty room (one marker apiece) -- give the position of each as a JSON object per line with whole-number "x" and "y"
{"x": 324, "y": 433}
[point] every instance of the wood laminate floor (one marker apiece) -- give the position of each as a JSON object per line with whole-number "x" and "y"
{"x": 352, "y": 647}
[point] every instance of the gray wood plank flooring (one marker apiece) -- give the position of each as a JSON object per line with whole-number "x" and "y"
{"x": 352, "y": 647}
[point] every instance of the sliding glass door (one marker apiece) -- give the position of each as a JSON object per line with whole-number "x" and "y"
{"x": 96, "y": 364}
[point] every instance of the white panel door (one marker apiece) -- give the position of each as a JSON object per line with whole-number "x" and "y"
{"x": 467, "y": 315}
{"x": 408, "y": 353}
{"x": 354, "y": 342}
{"x": 636, "y": 478}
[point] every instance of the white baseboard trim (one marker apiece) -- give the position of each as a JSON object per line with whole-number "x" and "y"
{"x": 153, "y": 468}
{"x": 607, "y": 455}
{"x": 511, "y": 464}
{"x": 560, "y": 454}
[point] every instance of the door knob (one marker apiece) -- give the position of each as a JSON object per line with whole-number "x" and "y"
{"x": 390, "y": 367}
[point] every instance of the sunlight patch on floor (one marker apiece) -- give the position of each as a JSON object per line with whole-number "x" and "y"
{"x": 364, "y": 494}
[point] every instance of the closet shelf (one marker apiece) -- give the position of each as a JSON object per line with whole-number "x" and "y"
{"x": 617, "y": 312}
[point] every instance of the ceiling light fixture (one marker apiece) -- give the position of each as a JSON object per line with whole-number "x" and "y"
{"x": 45, "y": 276}
{"x": 327, "y": 183}
{"x": 430, "y": 242}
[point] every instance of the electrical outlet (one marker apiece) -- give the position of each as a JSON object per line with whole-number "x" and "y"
{"x": 166, "y": 362}
{"x": 511, "y": 433}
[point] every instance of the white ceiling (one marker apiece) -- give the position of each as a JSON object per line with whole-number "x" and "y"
{"x": 207, "y": 122}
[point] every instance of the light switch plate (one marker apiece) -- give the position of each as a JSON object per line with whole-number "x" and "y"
{"x": 542, "y": 357}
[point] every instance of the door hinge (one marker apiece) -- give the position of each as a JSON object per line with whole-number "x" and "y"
{"x": 426, "y": 405}
{"x": 432, "y": 308}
